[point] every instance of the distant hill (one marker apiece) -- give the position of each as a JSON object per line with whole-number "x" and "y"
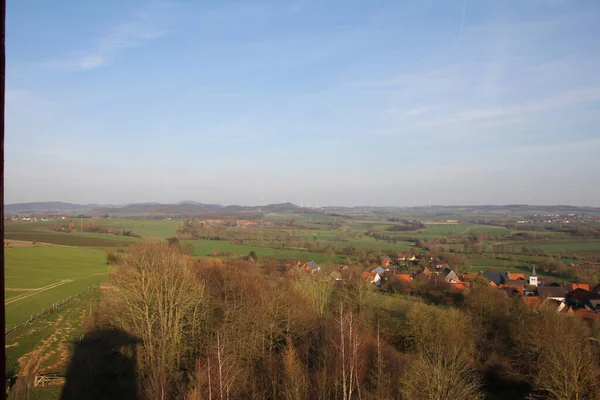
{"x": 190, "y": 207}
{"x": 158, "y": 208}
{"x": 46, "y": 207}
{"x": 190, "y": 202}
{"x": 282, "y": 207}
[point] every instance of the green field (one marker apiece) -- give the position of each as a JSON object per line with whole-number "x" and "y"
{"x": 147, "y": 228}
{"x": 431, "y": 230}
{"x": 203, "y": 248}
{"x": 68, "y": 239}
{"x": 41, "y": 232}
{"x": 300, "y": 217}
{"x": 567, "y": 246}
{"x": 39, "y": 267}
{"x": 36, "y": 277}
{"x": 64, "y": 324}
{"x": 443, "y": 230}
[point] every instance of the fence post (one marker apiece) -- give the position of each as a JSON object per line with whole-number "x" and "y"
{"x": 47, "y": 310}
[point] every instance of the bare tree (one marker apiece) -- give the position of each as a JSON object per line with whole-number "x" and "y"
{"x": 295, "y": 380}
{"x": 318, "y": 289}
{"x": 349, "y": 347}
{"x": 444, "y": 345}
{"x": 558, "y": 355}
{"x": 381, "y": 376}
{"x": 157, "y": 299}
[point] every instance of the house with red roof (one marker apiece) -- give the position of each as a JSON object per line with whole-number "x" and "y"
{"x": 372, "y": 277}
{"x": 311, "y": 266}
{"x": 406, "y": 278}
{"x": 427, "y": 272}
{"x": 385, "y": 261}
{"x": 569, "y": 287}
{"x": 468, "y": 277}
{"x": 460, "y": 286}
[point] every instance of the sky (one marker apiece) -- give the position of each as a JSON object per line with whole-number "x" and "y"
{"x": 352, "y": 102}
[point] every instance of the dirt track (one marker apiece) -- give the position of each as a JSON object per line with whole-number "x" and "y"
{"x": 23, "y": 243}
{"x": 35, "y": 291}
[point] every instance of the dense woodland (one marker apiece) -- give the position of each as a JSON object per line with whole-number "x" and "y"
{"x": 213, "y": 329}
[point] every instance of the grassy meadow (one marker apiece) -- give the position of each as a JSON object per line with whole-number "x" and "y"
{"x": 204, "y": 248}
{"x": 147, "y": 228}
{"x": 36, "y": 277}
{"x": 565, "y": 246}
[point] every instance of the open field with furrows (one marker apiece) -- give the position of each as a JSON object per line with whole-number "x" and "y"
{"x": 41, "y": 232}
{"x": 37, "y": 277}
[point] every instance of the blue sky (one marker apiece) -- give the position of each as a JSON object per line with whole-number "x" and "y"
{"x": 314, "y": 102}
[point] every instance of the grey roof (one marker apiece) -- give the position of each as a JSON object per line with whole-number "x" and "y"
{"x": 449, "y": 275}
{"x": 312, "y": 264}
{"x": 378, "y": 270}
{"x": 533, "y": 271}
{"x": 496, "y": 277}
{"x": 551, "y": 291}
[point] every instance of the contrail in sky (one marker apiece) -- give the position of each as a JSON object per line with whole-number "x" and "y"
{"x": 462, "y": 24}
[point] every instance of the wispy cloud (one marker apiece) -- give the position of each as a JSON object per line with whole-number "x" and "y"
{"x": 559, "y": 100}
{"x": 417, "y": 78}
{"x": 580, "y": 146}
{"x": 136, "y": 32}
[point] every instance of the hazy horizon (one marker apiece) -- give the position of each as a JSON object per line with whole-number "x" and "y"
{"x": 324, "y": 103}
{"x": 301, "y": 204}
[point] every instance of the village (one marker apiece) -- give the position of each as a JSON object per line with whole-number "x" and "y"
{"x": 392, "y": 276}
{"x": 554, "y": 218}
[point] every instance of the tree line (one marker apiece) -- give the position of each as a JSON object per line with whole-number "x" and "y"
{"x": 234, "y": 330}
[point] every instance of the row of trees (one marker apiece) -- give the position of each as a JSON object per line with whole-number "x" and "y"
{"x": 230, "y": 330}
{"x": 92, "y": 227}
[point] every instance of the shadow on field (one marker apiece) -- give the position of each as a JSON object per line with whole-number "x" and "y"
{"x": 103, "y": 366}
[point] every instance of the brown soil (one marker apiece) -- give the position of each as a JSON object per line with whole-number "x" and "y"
{"x": 23, "y": 243}
{"x": 52, "y": 354}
